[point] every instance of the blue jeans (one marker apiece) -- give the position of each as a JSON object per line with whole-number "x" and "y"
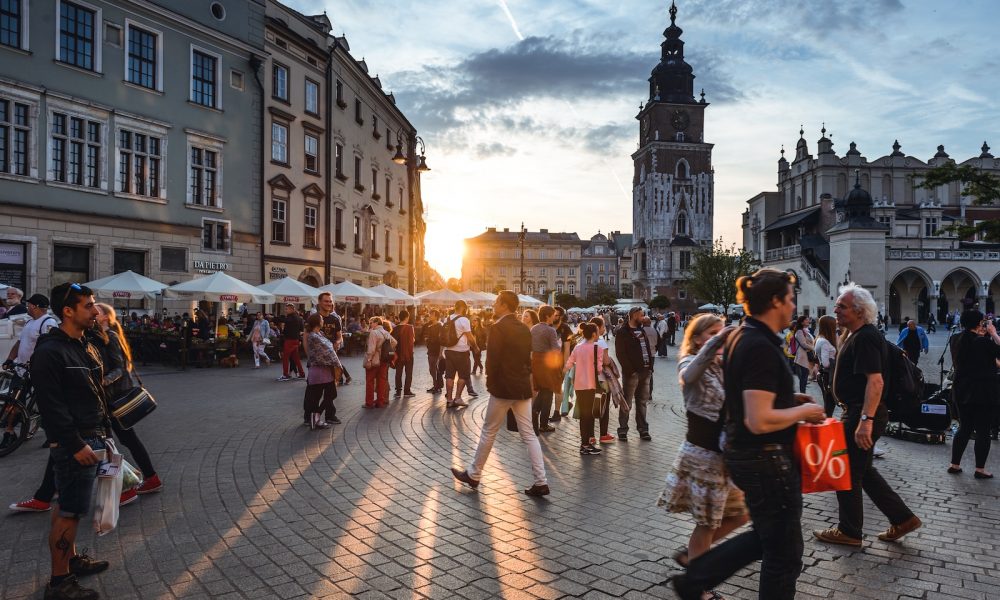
{"x": 771, "y": 481}
{"x": 803, "y": 374}
{"x": 74, "y": 482}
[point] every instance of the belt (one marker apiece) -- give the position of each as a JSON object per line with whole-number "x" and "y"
{"x": 773, "y": 447}
{"x": 91, "y": 433}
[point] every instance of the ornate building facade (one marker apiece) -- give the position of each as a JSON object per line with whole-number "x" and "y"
{"x": 846, "y": 218}
{"x": 492, "y": 261}
{"x": 673, "y": 182}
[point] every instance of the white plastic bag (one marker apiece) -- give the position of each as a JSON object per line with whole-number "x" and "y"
{"x": 109, "y": 490}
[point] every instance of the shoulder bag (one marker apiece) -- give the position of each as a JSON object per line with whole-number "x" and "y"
{"x": 131, "y": 407}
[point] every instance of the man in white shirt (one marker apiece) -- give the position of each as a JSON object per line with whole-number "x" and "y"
{"x": 457, "y": 356}
{"x": 41, "y": 322}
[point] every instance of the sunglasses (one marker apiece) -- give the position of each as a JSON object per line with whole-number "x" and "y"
{"x": 69, "y": 290}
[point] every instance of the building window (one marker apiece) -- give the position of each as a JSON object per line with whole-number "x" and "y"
{"x": 76, "y": 150}
{"x": 338, "y": 161}
{"x": 340, "y": 94}
{"x": 357, "y": 174}
{"x": 129, "y": 260}
{"x": 930, "y": 226}
{"x": 373, "y": 240}
{"x": 572, "y": 288}
{"x": 590, "y": 280}
{"x": 611, "y": 280}
{"x": 310, "y": 219}
{"x": 142, "y": 60}
{"x": 204, "y": 77}
{"x": 279, "y": 143}
{"x": 279, "y": 82}
{"x": 15, "y": 119}
{"x": 375, "y": 195}
{"x": 279, "y": 220}
{"x": 10, "y": 23}
{"x": 78, "y": 36}
{"x": 685, "y": 260}
{"x": 70, "y": 264}
{"x": 399, "y": 251}
{"x": 204, "y": 176}
{"x": 601, "y": 269}
{"x": 312, "y": 153}
{"x": 572, "y": 272}
{"x": 387, "y": 239}
{"x": 215, "y": 235}
{"x": 682, "y": 224}
{"x": 312, "y": 97}
{"x": 139, "y": 163}
{"x": 357, "y": 112}
{"x": 236, "y": 79}
{"x": 388, "y": 199}
{"x": 357, "y": 234}
{"x": 338, "y": 227}
{"x": 173, "y": 259}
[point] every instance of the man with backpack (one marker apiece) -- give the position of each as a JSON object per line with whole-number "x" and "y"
{"x": 860, "y": 379}
{"x": 432, "y": 338}
{"x": 457, "y": 340}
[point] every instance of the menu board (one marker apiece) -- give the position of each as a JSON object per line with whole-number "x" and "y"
{"x": 12, "y": 267}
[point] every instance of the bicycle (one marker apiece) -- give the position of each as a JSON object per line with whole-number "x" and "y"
{"x": 17, "y": 407}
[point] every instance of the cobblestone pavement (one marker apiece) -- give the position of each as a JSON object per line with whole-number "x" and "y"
{"x": 257, "y": 506}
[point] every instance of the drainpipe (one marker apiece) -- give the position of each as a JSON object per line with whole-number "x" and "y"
{"x": 328, "y": 175}
{"x": 255, "y": 65}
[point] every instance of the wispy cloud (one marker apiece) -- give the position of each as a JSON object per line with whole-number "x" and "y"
{"x": 510, "y": 17}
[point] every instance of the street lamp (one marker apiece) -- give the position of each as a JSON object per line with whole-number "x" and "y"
{"x": 400, "y": 159}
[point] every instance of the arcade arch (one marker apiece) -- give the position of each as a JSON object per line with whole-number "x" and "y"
{"x": 909, "y": 296}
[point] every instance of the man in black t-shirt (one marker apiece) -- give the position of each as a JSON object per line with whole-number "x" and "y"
{"x": 975, "y": 354}
{"x": 762, "y": 411}
{"x": 291, "y": 337}
{"x": 859, "y": 384}
{"x": 635, "y": 354}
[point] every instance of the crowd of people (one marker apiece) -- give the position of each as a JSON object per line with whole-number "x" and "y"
{"x": 743, "y": 388}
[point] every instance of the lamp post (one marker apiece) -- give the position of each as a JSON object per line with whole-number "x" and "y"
{"x": 414, "y": 167}
{"x": 520, "y": 239}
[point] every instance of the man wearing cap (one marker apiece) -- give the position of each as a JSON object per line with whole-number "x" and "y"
{"x": 635, "y": 353}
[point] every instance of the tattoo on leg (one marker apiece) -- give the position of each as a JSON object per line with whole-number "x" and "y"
{"x": 64, "y": 545}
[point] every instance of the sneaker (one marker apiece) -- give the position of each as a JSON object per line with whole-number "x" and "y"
{"x": 622, "y": 437}
{"x": 32, "y": 505}
{"x": 605, "y": 439}
{"x": 589, "y": 450}
{"x": 434, "y": 390}
{"x": 834, "y": 535}
{"x": 284, "y": 378}
{"x": 69, "y": 589}
{"x": 149, "y": 485}
{"x": 645, "y": 436}
{"x": 897, "y": 531}
{"x": 128, "y": 497}
{"x": 322, "y": 425}
{"x": 82, "y": 565}
{"x": 594, "y": 449}
{"x": 408, "y": 394}
{"x": 334, "y": 420}
{"x": 537, "y": 490}
{"x": 878, "y": 451}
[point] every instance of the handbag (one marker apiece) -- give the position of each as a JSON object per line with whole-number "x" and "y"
{"x": 823, "y": 458}
{"x": 597, "y": 406}
{"x": 132, "y": 407}
{"x": 109, "y": 489}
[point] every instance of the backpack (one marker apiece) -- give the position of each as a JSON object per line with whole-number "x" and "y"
{"x": 792, "y": 343}
{"x": 449, "y": 333}
{"x": 904, "y": 382}
{"x": 385, "y": 352}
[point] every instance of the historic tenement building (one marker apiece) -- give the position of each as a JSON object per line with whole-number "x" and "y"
{"x": 598, "y": 265}
{"x": 673, "y": 184}
{"x": 492, "y": 261}
{"x": 846, "y": 218}
{"x": 131, "y": 139}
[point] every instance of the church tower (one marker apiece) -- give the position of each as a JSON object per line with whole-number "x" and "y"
{"x": 673, "y": 183}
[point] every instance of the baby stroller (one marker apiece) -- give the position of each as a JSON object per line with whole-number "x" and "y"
{"x": 929, "y": 424}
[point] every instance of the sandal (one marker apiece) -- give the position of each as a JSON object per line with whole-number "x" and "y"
{"x": 681, "y": 557}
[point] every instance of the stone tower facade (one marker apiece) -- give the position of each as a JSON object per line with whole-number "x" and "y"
{"x": 673, "y": 182}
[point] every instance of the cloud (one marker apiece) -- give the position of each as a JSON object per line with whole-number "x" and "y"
{"x": 494, "y": 149}
{"x": 813, "y": 19}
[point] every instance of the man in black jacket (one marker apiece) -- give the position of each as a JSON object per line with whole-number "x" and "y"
{"x": 635, "y": 354}
{"x": 66, "y": 371}
{"x": 508, "y": 380}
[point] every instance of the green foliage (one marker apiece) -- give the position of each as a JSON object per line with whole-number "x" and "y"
{"x": 659, "y": 302}
{"x": 983, "y": 187}
{"x": 601, "y": 294}
{"x": 715, "y": 271}
{"x": 568, "y": 301}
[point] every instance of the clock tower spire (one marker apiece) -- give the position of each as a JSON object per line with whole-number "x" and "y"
{"x": 673, "y": 183}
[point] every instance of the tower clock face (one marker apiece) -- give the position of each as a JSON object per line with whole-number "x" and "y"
{"x": 680, "y": 120}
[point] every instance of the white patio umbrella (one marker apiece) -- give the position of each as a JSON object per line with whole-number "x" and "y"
{"x": 393, "y": 296}
{"x": 126, "y": 286}
{"x": 219, "y": 287}
{"x": 291, "y": 290}
{"x": 529, "y": 301}
{"x": 476, "y": 299}
{"x": 346, "y": 291}
{"x": 442, "y": 297}
{"x": 709, "y": 307}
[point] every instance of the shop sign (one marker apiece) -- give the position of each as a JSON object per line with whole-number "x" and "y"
{"x": 292, "y": 299}
{"x": 121, "y": 294}
{"x": 278, "y": 272}
{"x": 228, "y": 298}
{"x": 209, "y": 267}
{"x": 11, "y": 254}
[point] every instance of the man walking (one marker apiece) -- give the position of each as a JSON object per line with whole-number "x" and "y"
{"x": 635, "y": 354}
{"x": 913, "y": 340}
{"x": 458, "y": 355}
{"x": 291, "y": 335}
{"x": 671, "y": 328}
{"x": 403, "y": 332}
{"x": 858, "y": 383}
{"x": 66, "y": 371}
{"x": 508, "y": 380}
{"x": 432, "y": 337}
{"x": 546, "y": 366}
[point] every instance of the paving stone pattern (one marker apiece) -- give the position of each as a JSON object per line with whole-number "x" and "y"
{"x": 257, "y": 506}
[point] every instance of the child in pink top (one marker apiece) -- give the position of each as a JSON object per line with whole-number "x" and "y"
{"x": 588, "y": 358}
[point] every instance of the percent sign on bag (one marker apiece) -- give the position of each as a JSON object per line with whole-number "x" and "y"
{"x": 823, "y": 458}
{"x": 830, "y": 462}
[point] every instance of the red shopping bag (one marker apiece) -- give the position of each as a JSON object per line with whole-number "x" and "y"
{"x": 823, "y": 459}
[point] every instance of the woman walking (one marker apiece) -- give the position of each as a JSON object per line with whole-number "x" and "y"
{"x": 119, "y": 378}
{"x": 376, "y": 368}
{"x": 976, "y": 351}
{"x": 826, "y": 353}
{"x": 322, "y": 361}
{"x": 588, "y": 358}
{"x": 804, "y": 345}
{"x": 698, "y": 482}
{"x": 259, "y": 338}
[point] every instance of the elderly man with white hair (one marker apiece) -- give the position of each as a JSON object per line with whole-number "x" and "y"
{"x": 858, "y": 384}
{"x": 15, "y": 303}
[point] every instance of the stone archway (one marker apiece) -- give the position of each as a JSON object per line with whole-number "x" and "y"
{"x": 311, "y": 276}
{"x": 961, "y": 288}
{"x": 993, "y": 295}
{"x": 909, "y": 296}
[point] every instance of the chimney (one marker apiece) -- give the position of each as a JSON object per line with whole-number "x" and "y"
{"x": 505, "y": 230}
{"x": 491, "y": 230}
{"x": 543, "y": 231}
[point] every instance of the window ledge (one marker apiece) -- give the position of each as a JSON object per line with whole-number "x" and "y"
{"x": 280, "y": 164}
{"x": 73, "y": 67}
{"x": 376, "y": 197}
{"x": 358, "y": 251}
{"x": 21, "y": 178}
{"x": 140, "y": 198}
{"x": 142, "y": 88}
{"x": 211, "y": 108}
{"x": 359, "y": 188}
{"x": 216, "y": 252}
{"x": 340, "y": 246}
{"x": 376, "y": 135}
{"x": 340, "y": 177}
{"x": 311, "y": 172}
{"x": 311, "y": 247}
{"x": 77, "y": 188}
{"x": 341, "y": 104}
{"x": 17, "y": 50}
{"x": 359, "y": 121}
{"x": 193, "y": 206}
{"x": 277, "y": 243}
{"x": 284, "y": 101}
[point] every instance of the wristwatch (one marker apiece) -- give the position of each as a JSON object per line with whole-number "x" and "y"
{"x": 866, "y": 417}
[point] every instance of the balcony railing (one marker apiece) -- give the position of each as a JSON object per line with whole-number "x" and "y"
{"x": 783, "y": 253}
{"x": 925, "y": 254}
{"x": 816, "y": 275}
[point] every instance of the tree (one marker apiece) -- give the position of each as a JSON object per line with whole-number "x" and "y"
{"x": 568, "y": 300}
{"x": 601, "y": 294}
{"x": 454, "y": 284}
{"x": 983, "y": 187}
{"x": 715, "y": 270}
{"x": 659, "y": 302}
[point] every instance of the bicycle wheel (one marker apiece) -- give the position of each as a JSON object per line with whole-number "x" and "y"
{"x": 21, "y": 426}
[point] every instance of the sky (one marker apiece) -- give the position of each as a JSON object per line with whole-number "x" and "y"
{"x": 527, "y": 107}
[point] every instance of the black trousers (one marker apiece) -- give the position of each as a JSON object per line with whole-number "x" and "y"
{"x": 976, "y": 418}
{"x": 319, "y": 397}
{"x": 585, "y": 403}
{"x": 540, "y": 408}
{"x": 865, "y": 477}
{"x": 402, "y": 366}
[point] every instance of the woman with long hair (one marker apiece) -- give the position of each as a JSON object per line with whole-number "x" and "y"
{"x": 120, "y": 377}
{"x": 589, "y": 359}
{"x": 322, "y": 361}
{"x": 826, "y": 353}
{"x": 804, "y": 344}
{"x": 376, "y": 370}
{"x": 698, "y": 482}
{"x": 529, "y": 317}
